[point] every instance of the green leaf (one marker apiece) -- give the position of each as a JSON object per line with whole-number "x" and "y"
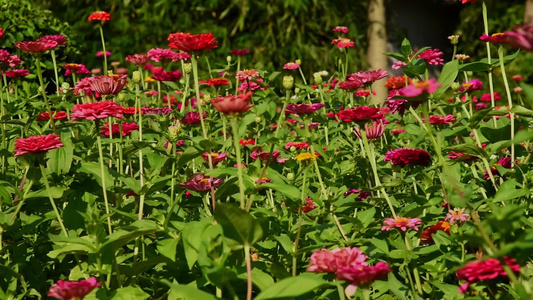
{"x": 189, "y": 154}
{"x": 381, "y": 245}
{"x": 126, "y": 234}
{"x": 167, "y": 247}
{"x": 508, "y": 191}
{"x": 293, "y": 287}
{"x": 287, "y": 190}
{"x": 522, "y": 111}
{"x": 447, "y": 77}
{"x": 406, "y": 47}
{"x": 94, "y": 168}
{"x": 366, "y": 216}
{"x": 238, "y": 225}
{"x": 55, "y": 191}
{"x": 528, "y": 91}
{"x": 126, "y": 293}
{"x": 475, "y": 67}
{"x": 186, "y": 292}
{"x": 285, "y": 242}
{"x": 192, "y": 238}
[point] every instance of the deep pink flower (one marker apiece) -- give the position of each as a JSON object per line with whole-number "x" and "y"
{"x": 59, "y": 115}
{"x": 439, "y": 120}
{"x": 99, "y": 16}
{"x": 343, "y": 29}
{"x": 303, "y": 108}
{"x": 127, "y": 129}
{"x": 138, "y": 59}
{"x": 521, "y": 37}
{"x": 397, "y": 131}
{"x": 351, "y": 85}
{"x": 486, "y": 97}
{"x": 496, "y": 38}
{"x": 108, "y": 85}
{"x": 36, "y": 46}
{"x": 158, "y": 54}
{"x": 155, "y": 110}
{"x": 468, "y": 1}
{"x": 159, "y": 74}
{"x": 310, "y": 205}
{"x": 401, "y": 223}
{"x": 362, "y": 274}
{"x": 291, "y": 66}
{"x": 2, "y": 36}
{"x": 247, "y": 75}
{"x": 101, "y": 53}
{"x": 233, "y": 104}
{"x": 96, "y": 111}
{"x": 329, "y": 261}
{"x": 297, "y": 145}
{"x": 17, "y": 73}
{"x": 362, "y": 194}
{"x": 201, "y": 183}
{"x": 258, "y": 153}
{"x": 517, "y": 78}
{"x": 59, "y": 38}
{"x": 6, "y": 59}
{"x": 460, "y": 156}
{"x": 193, "y": 118}
{"x": 373, "y": 132}
{"x": 408, "y": 156}
{"x": 359, "y": 114}
{"x": 457, "y": 215}
{"x": 64, "y": 289}
{"x": 432, "y": 56}
{"x": 37, "y": 144}
{"x": 363, "y": 93}
{"x": 241, "y": 52}
{"x": 253, "y": 85}
{"x": 420, "y": 89}
{"x": 343, "y": 43}
{"x": 472, "y": 85}
{"x": 368, "y": 77}
{"x": 187, "y": 42}
{"x": 215, "y": 157}
{"x": 76, "y": 68}
{"x": 245, "y": 142}
{"x": 487, "y": 269}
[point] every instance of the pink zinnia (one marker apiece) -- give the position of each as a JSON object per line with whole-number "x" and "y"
{"x": 359, "y": 114}
{"x": 160, "y": 74}
{"x": 233, "y": 104}
{"x": 158, "y": 54}
{"x": 343, "y": 43}
{"x": 215, "y": 157}
{"x": 60, "y": 39}
{"x": 342, "y": 29}
{"x": 37, "y": 144}
{"x": 240, "y": 52}
{"x": 64, "y": 289}
{"x": 258, "y": 153}
{"x": 457, "y": 215}
{"x": 486, "y": 97}
{"x": 351, "y": 85}
{"x": 96, "y": 111}
{"x": 329, "y": 261}
{"x": 362, "y": 274}
{"x": 368, "y": 77}
{"x": 303, "y": 108}
{"x": 37, "y": 46}
{"x": 432, "y": 56}
{"x": 245, "y": 75}
{"x": 297, "y": 145}
{"x": 17, "y": 73}
{"x": 472, "y": 85}
{"x": 193, "y": 118}
{"x": 101, "y": 53}
{"x": 397, "y": 131}
{"x": 420, "y": 89}
{"x": 439, "y": 120}
{"x": 108, "y": 85}
{"x": 291, "y": 66}
{"x": 137, "y": 59}
{"x": 127, "y": 129}
{"x": 373, "y": 132}
{"x": 487, "y": 269}
{"x": 496, "y": 38}
{"x": 201, "y": 183}
{"x": 398, "y": 65}
{"x": 521, "y": 37}
{"x": 401, "y": 223}
{"x": 408, "y": 156}
{"x": 7, "y": 59}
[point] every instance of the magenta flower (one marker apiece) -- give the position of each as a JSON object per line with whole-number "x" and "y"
{"x": 472, "y": 85}
{"x": 137, "y": 59}
{"x": 420, "y": 89}
{"x": 6, "y": 59}
{"x": 36, "y": 46}
{"x": 368, "y": 77}
{"x": 96, "y": 111}
{"x": 258, "y": 153}
{"x": 156, "y": 110}
{"x": 126, "y": 128}
{"x": 401, "y": 223}
{"x": 64, "y": 289}
{"x": 303, "y": 108}
{"x": 291, "y": 66}
{"x": 408, "y": 156}
{"x": 240, "y": 52}
{"x": 342, "y": 29}
{"x": 457, "y": 215}
{"x": 359, "y": 114}
{"x": 60, "y": 39}
{"x": 160, "y": 74}
{"x": 158, "y": 54}
{"x": 215, "y": 157}
{"x": 373, "y": 132}
{"x": 192, "y": 118}
{"x": 521, "y": 37}
{"x": 398, "y": 65}
{"x": 486, "y": 97}
{"x": 201, "y": 183}
{"x": 329, "y": 261}
{"x": 37, "y": 144}
{"x": 496, "y": 38}
{"x": 362, "y": 274}
{"x": 439, "y": 120}
{"x": 362, "y": 194}
{"x": 432, "y": 56}
{"x": 487, "y": 269}
{"x": 108, "y": 85}
{"x": 101, "y": 53}
{"x": 17, "y": 73}
{"x": 351, "y": 85}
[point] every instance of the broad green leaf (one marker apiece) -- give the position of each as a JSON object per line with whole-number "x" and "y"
{"x": 186, "y": 292}
{"x": 508, "y": 191}
{"x": 287, "y": 190}
{"x": 238, "y": 225}
{"x": 293, "y": 286}
{"x": 126, "y": 234}
{"x": 192, "y": 238}
{"x": 167, "y": 247}
{"x": 406, "y": 47}
{"x": 447, "y": 77}
{"x": 94, "y": 168}
{"x": 55, "y": 191}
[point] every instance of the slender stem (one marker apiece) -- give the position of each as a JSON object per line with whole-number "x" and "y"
{"x": 238, "y": 69}
{"x": 3, "y": 128}
{"x": 297, "y": 240}
{"x": 238, "y": 155}
{"x": 248, "y": 272}
{"x": 53, "y": 53}
{"x": 489, "y": 61}
{"x": 47, "y": 185}
{"x": 141, "y": 161}
{"x": 102, "y": 174}
{"x": 103, "y": 47}
{"x": 172, "y": 184}
{"x": 509, "y": 101}
{"x": 43, "y": 92}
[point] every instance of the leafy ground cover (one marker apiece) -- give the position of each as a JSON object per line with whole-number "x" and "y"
{"x": 177, "y": 177}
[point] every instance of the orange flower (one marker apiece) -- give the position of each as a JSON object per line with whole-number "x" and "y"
{"x": 99, "y": 16}
{"x": 426, "y": 234}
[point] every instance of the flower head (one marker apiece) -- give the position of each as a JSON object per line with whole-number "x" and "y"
{"x": 309, "y": 205}
{"x": 108, "y": 85}
{"x": 368, "y": 77}
{"x": 215, "y": 157}
{"x": 245, "y": 142}
{"x": 487, "y": 97}
{"x": 427, "y": 233}
{"x": 359, "y": 114}
{"x": 247, "y": 75}
{"x": 496, "y": 38}
{"x": 126, "y": 128}
{"x": 258, "y": 153}
{"x": 408, "y": 156}
{"x": 329, "y": 261}
{"x": 155, "y": 110}
{"x": 305, "y": 156}
{"x": 138, "y": 59}
{"x": 240, "y": 52}
{"x": 432, "y": 56}
{"x": 420, "y": 89}
{"x": 439, "y": 120}
{"x": 201, "y": 183}
{"x": 397, "y": 82}
{"x": 233, "y": 104}
{"x": 373, "y": 132}
{"x": 158, "y": 54}
{"x": 96, "y": 111}
{"x": 101, "y": 53}
{"x": 342, "y": 29}
{"x": 297, "y": 145}
{"x": 45, "y": 116}
{"x": 2, "y": 36}
{"x": 343, "y": 43}
{"x": 487, "y": 269}
{"x": 17, "y": 73}
{"x": 192, "y": 118}
{"x": 160, "y": 74}
{"x": 291, "y": 66}
{"x": 60, "y": 39}
{"x": 37, "y": 144}
{"x": 351, "y": 85}
{"x": 99, "y": 16}
{"x": 472, "y": 85}
{"x": 216, "y": 81}
{"x": 64, "y": 289}
{"x": 303, "y": 108}
{"x": 457, "y": 215}
{"x": 363, "y": 274}
{"x": 401, "y": 223}
{"x": 187, "y": 42}
{"x": 521, "y": 37}
{"x": 6, "y": 59}
{"x": 462, "y": 57}
{"x": 36, "y": 46}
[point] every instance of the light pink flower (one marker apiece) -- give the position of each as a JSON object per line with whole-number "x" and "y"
{"x": 401, "y": 223}
{"x": 398, "y": 65}
{"x": 291, "y": 66}
{"x": 521, "y": 37}
{"x": 457, "y": 214}
{"x": 158, "y": 54}
{"x": 343, "y": 29}
{"x": 368, "y": 77}
{"x": 362, "y": 274}
{"x": 373, "y": 132}
{"x": 420, "y": 88}
{"x": 247, "y": 75}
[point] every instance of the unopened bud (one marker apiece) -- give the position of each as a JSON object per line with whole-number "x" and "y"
{"x": 173, "y": 132}
{"x": 257, "y": 119}
{"x": 228, "y": 59}
{"x": 288, "y": 82}
{"x": 456, "y": 86}
{"x": 207, "y": 98}
{"x": 296, "y": 90}
{"x": 121, "y": 97}
{"x": 298, "y": 61}
{"x": 290, "y": 176}
{"x": 110, "y": 73}
{"x": 318, "y": 78}
{"x": 187, "y": 68}
{"x": 469, "y": 73}
{"x": 65, "y": 86}
{"x": 454, "y": 39}
{"x": 136, "y": 77}
{"x": 292, "y": 149}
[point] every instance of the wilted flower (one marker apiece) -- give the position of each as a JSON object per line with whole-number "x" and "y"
{"x": 408, "y": 156}
{"x": 201, "y": 183}
{"x": 303, "y": 108}
{"x": 127, "y": 129}
{"x": 362, "y": 194}
{"x": 329, "y": 261}
{"x": 460, "y": 156}
{"x": 73, "y": 289}
{"x": 426, "y": 236}
{"x": 457, "y": 214}
{"x": 487, "y": 269}
{"x": 401, "y": 223}
{"x": 359, "y": 114}
{"x": 99, "y": 16}
{"x": 96, "y": 111}
{"x": 36, "y": 46}
{"x": 232, "y": 104}
{"x": 521, "y": 37}
{"x": 215, "y": 157}
{"x": 462, "y": 57}
{"x": 108, "y": 85}
{"x": 187, "y": 42}
{"x": 37, "y": 144}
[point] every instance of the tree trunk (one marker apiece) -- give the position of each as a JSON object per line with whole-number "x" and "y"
{"x": 528, "y": 15}
{"x": 377, "y": 44}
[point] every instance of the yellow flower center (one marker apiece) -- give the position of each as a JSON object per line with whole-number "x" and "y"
{"x": 305, "y": 156}
{"x": 401, "y": 220}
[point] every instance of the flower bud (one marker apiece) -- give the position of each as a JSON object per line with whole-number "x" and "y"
{"x": 110, "y": 73}
{"x": 288, "y": 82}
{"x": 65, "y": 86}
{"x": 173, "y": 132}
{"x": 207, "y": 98}
{"x": 456, "y": 86}
{"x": 469, "y": 73}
{"x": 121, "y": 97}
{"x": 228, "y": 59}
{"x": 318, "y": 78}
{"x": 290, "y": 176}
{"x": 298, "y": 61}
{"x": 187, "y": 68}
{"x": 292, "y": 149}
{"x": 297, "y": 90}
{"x": 454, "y": 39}
{"x": 136, "y": 77}
{"x": 258, "y": 119}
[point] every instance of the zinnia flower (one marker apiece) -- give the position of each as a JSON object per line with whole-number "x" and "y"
{"x": 96, "y": 111}
{"x": 305, "y": 156}
{"x": 37, "y": 144}
{"x": 373, "y": 132}
{"x": 247, "y": 75}
{"x": 309, "y": 205}
{"x": 64, "y": 289}
{"x": 101, "y": 53}
{"x": 60, "y": 115}
{"x": 487, "y": 98}
{"x": 432, "y": 56}
{"x": 439, "y": 120}
{"x": 241, "y": 52}
{"x": 420, "y": 89}
{"x": 215, "y": 157}
{"x": 496, "y": 38}
{"x": 297, "y": 145}
{"x": 329, "y": 261}
{"x": 487, "y": 269}
{"x": 401, "y": 223}
{"x": 245, "y": 142}
{"x": 138, "y": 59}
{"x": 155, "y": 110}
{"x": 232, "y": 104}
{"x": 258, "y": 153}
{"x": 426, "y": 236}
{"x": 343, "y": 43}
{"x": 193, "y": 118}
{"x": 36, "y": 46}
{"x": 408, "y": 156}
{"x": 303, "y": 108}
{"x": 158, "y": 54}
{"x": 517, "y": 78}
{"x": 362, "y": 194}
{"x": 397, "y": 131}
{"x": 521, "y": 37}
{"x": 201, "y": 183}
{"x": 2, "y": 36}
{"x": 359, "y": 114}
{"x": 397, "y": 82}
{"x": 127, "y": 129}
{"x": 59, "y": 38}
{"x": 216, "y": 81}
{"x": 160, "y": 74}
{"x": 362, "y": 274}
{"x": 6, "y": 59}
{"x": 99, "y": 16}
{"x": 343, "y": 29}
{"x": 108, "y": 85}
{"x": 291, "y": 66}
{"x": 192, "y": 42}
{"x": 457, "y": 215}
{"x": 472, "y": 85}
{"x": 368, "y": 77}
{"x": 17, "y": 73}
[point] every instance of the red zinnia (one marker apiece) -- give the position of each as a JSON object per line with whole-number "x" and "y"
{"x": 37, "y": 144}
{"x": 160, "y": 74}
{"x": 96, "y": 111}
{"x": 440, "y": 226}
{"x": 217, "y": 81}
{"x": 99, "y": 16}
{"x": 343, "y": 43}
{"x": 9, "y": 60}
{"x": 232, "y": 104}
{"x": 192, "y": 118}
{"x": 303, "y": 108}
{"x": 408, "y": 156}
{"x": 138, "y": 59}
{"x": 192, "y": 42}
{"x": 36, "y": 46}
{"x": 127, "y": 129}
{"x": 245, "y": 142}
{"x": 2, "y": 36}
{"x": 60, "y": 115}
{"x": 359, "y": 114}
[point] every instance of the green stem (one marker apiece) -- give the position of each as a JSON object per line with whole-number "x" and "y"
{"x": 172, "y": 184}
{"x": 103, "y": 47}
{"x": 3, "y": 128}
{"x": 248, "y": 272}
{"x": 47, "y": 185}
{"x": 43, "y": 92}
{"x": 297, "y": 240}
{"x": 237, "y": 80}
{"x": 509, "y": 101}
{"x": 53, "y": 53}
{"x": 103, "y": 179}
{"x": 238, "y": 155}
{"x": 489, "y": 61}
